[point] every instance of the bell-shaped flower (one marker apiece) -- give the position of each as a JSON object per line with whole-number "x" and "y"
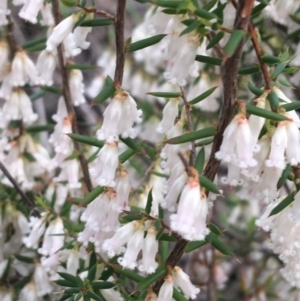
{"x": 166, "y": 290}
{"x": 30, "y": 10}
{"x": 76, "y": 87}
{"x": 106, "y": 164}
{"x": 45, "y": 66}
{"x": 182, "y": 281}
{"x": 170, "y": 112}
{"x": 119, "y": 117}
{"x": 150, "y": 249}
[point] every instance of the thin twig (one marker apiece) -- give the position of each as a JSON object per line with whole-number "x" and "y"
{"x": 98, "y": 12}
{"x": 68, "y": 100}
{"x": 10, "y": 38}
{"x": 120, "y": 44}
{"x": 229, "y": 98}
{"x": 190, "y": 125}
{"x": 25, "y": 198}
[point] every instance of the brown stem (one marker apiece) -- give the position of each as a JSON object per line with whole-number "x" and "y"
{"x": 10, "y": 38}
{"x": 25, "y": 198}
{"x": 98, "y": 12}
{"x": 68, "y": 100}
{"x": 229, "y": 98}
{"x": 190, "y": 125}
{"x": 120, "y": 44}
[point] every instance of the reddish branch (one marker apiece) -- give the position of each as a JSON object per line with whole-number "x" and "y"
{"x": 229, "y": 99}
{"x": 120, "y": 44}
{"x": 69, "y": 103}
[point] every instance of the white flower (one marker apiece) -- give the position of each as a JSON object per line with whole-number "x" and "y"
{"x": 30, "y": 10}
{"x": 37, "y": 226}
{"x": 106, "y": 165}
{"x": 102, "y": 214}
{"x": 293, "y": 143}
{"x": 29, "y": 293}
{"x": 62, "y": 111}
{"x": 182, "y": 281}
{"x": 47, "y": 17}
{"x": 114, "y": 245}
{"x": 4, "y": 52}
{"x": 182, "y": 61}
{"x": 119, "y": 117}
{"x": 4, "y": 11}
{"x": 278, "y": 146}
{"x": 73, "y": 262}
{"x": 170, "y": 113}
{"x": 150, "y": 249}
{"x": 41, "y": 280}
{"x": 45, "y": 67}
{"x": 61, "y": 31}
{"x": 122, "y": 189}
{"x": 70, "y": 49}
{"x": 237, "y": 143}
{"x": 190, "y": 219}
{"x": 76, "y": 87}
{"x": 134, "y": 246}
{"x": 166, "y": 290}
{"x": 80, "y": 34}
{"x": 19, "y": 107}
{"x": 53, "y": 238}
{"x": 23, "y": 70}
{"x": 70, "y": 173}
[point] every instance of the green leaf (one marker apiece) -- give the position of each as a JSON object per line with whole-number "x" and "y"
{"x": 101, "y": 285}
{"x": 24, "y": 258}
{"x": 167, "y": 237}
{"x": 127, "y": 273}
{"x": 285, "y": 82}
{"x": 64, "y": 297}
{"x": 248, "y": 70}
{"x": 52, "y": 90}
{"x": 69, "y": 3}
{"x": 210, "y": 5}
{"x": 168, "y": 3}
{"x": 171, "y": 11}
{"x": 283, "y": 204}
{"x": 126, "y": 155}
{"x": 193, "y": 245}
{"x": 294, "y": 34}
{"x": 256, "y": 91}
{"x": 178, "y": 296}
{"x": 81, "y": 66}
{"x": 194, "y": 25}
{"x": 214, "y": 229}
{"x": 273, "y": 100}
{"x": 208, "y": 184}
{"x": 37, "y": 95}
{"x": 66, "y": 283}
{"x": 35, "y": 42}
{"x": 264, "y": 113}
{"x": 71, "y": 278}
{"x": 284, "y": 176}
{"x": 93, "y": 194}
{"x": 95, "y": 296}
{"x": 87, "y": 140}
{"x": 145, "y": 43}
{"x": 96, "y": 22}
{"x": 257, "y": 9}
{"x": 208, "y": 60}
{"x": 149, "y": 202}
{"x": 165, "y": 94}
{"x": 202, "y": 13}
{"x": 291, "y": 106}
{"x": 132, "y": 217}
{"x": 215, "y": 40}
{"x": 199, "y": 164}
{"x": 108, "y": 91}
{"x": 204, "y": 133}
{"x": 132, "y": 144}
{"x": 270, "y": 59}
{"x": 234, "y": 41}
{"x": 147, "y": 281}
{"x": 203, "y": 95}
{"x": 278, "y": 70}
{"x": 39, "y": 128}
{"x": 221, "y": 247}
{"x": 73, "y": 290}
{"x": 204, "y": 142}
